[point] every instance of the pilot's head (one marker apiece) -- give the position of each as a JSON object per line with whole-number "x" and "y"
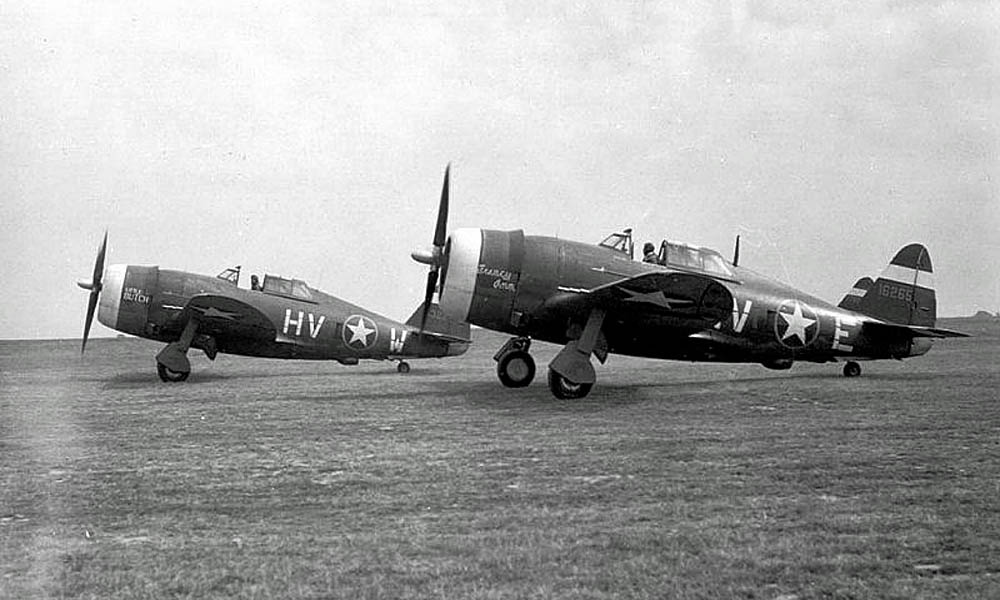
{"x": 648, "y": 247}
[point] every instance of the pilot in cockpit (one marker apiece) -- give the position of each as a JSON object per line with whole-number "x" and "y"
{"x": 255, "y": 283}
{"x": 649, "y": 253}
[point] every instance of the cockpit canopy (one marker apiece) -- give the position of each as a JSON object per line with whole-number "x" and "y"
{"x": 620, "y": 242}
{"x": 291, "y": 288}
{"x": 232, "y": 275}
{"x": 692, "y": 258}
{"x": 673, "y": 254}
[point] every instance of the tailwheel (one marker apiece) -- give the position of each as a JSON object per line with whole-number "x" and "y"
{"x": 852, "y": 369}
{"x": 516, "y": 369}
{"x": 171, "y": 376}
{"x": 403, "y": 367}
{"x": 565, "y": 389}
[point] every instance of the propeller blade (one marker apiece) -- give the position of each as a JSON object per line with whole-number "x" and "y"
{"x": 436, "y": 256}
{"x": 95, "y": 290}
{"x": 736, "y": 253}
{"x": 99, "y": 263}
{"x": 432, "y": 278}
{"x": 91, "y": 305}
{"x": 441, "y": 231}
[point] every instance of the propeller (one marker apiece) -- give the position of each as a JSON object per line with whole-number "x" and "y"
{"x": 435, "y": 256}
{"x": 94, "y": 285}
{"x": 736, "y": 252}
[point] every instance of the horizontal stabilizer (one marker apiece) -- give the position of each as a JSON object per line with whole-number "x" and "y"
{"x": 913, "y": 330}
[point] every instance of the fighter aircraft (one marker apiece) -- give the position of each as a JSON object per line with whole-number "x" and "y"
{"x": 279, "y": 318}
{"x": 688, "y": 304}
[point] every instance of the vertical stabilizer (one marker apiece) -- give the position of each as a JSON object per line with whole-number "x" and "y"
{"x": 438, "y": 322}
{"x": 852, "y": 301}
{"x": 904, "y": 292}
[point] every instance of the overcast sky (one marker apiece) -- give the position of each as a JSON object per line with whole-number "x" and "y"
{"x": 309, "y": 139}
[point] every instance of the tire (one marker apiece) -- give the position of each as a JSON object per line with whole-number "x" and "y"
{"x": 171, "y": 376}
{"x": 566, "y": 390}
{"x": 516, "y": 369}
{"x": 852, "y": 369}
{"x": 403, "y": 367}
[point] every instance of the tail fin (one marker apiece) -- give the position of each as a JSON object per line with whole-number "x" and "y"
{"x": 439, "y": 323}
{"x": 904, "y": 292}
{"x": 852, "y": 301}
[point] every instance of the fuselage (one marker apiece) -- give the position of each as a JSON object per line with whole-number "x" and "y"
{"x": 510, "y": 282}
{"x": 156, "y": 304}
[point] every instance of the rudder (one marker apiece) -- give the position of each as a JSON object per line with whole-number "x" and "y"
{"x": 904, "y": 292}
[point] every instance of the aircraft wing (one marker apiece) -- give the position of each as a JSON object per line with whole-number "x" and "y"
{"x": 914, "y": 330}
{"x": 675, "y": 294}
{"x": 223, "y": 316}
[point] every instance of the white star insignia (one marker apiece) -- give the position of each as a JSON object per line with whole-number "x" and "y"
{"x": 797, "y": 324}
{"x": 359, "y": 332}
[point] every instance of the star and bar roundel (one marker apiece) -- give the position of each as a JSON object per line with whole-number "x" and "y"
{"x": 359, "y": 332}
{"x": 796, "y": 324}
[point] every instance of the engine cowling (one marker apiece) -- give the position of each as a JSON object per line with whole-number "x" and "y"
{"x": 481, "y": 277}
{"x": 126, "y": 294}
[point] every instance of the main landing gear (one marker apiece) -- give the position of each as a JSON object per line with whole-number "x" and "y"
{"x": 564, "y": 389}
{"x": 571, "y": 375}
{"x": 168, "y": 375}
{"x": 515, "y": 367}
{"x": 852, "y": 369}
{"x": 172, "y": 364}
{"x": 403, "y": 367}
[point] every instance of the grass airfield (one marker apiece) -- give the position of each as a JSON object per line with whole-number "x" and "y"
{"x": 271, "y": 479}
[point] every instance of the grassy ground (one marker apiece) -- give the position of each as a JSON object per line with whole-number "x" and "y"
{"x": 265, "y": 479}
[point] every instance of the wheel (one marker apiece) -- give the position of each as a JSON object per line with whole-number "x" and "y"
{"x": 403, "y": 367}
{"x": 171, "y": 376}
{"x": 567, "y": 390}
{"x": 516, "y": 369}
{"x": 852, "y": 369}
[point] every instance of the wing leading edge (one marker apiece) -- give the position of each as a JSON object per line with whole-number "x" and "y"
{"x": 671, "y": 294}
{"x": 223, "y": 316}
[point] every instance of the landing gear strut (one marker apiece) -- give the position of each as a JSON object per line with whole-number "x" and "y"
{"x": 515, "y": 367}
{"x": 852, "y": 369}
{"x": 172, "y": 364}
{"x": 571, "y": 375}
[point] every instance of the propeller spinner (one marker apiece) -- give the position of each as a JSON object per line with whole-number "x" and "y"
{"x": 94, "y": 285}
{"x": 435, "y": 256}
